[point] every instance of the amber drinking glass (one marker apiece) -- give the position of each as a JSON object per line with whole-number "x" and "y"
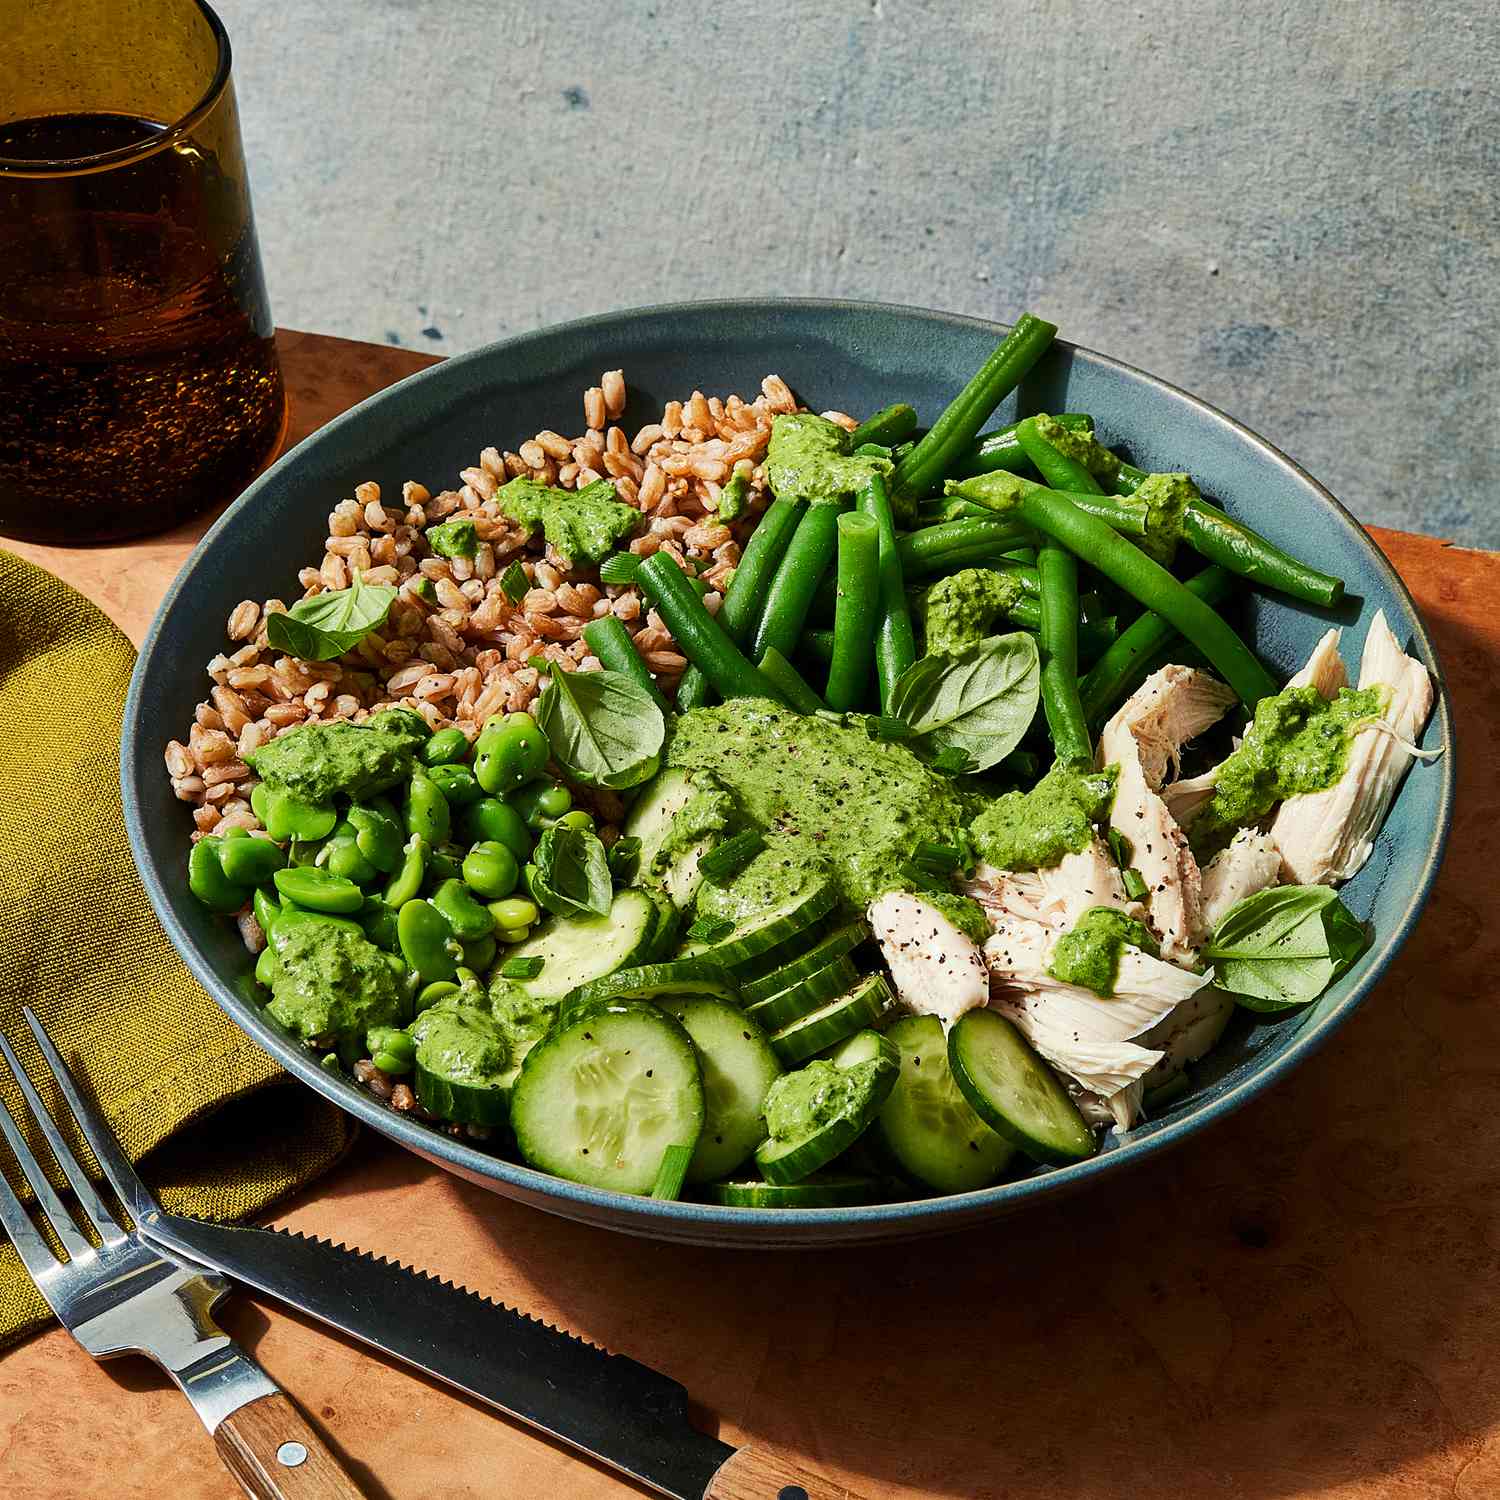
{"x": 138, "y": 374}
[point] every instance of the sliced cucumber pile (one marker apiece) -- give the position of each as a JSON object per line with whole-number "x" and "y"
{"x": 693, "y": 976}
{"x": 575, "y": 950}
{"x": 600, "y": 1100}
{"x": 803, "y": 996}
{"x": 820, "y": 1190}
{"x": 834, "y": 945}
{"x": 768, "y": 929}
{"x": 827, "y": 1026}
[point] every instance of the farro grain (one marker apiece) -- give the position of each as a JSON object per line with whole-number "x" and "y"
{"x": 613, "y": 386}
{"x": 594, "y": 409}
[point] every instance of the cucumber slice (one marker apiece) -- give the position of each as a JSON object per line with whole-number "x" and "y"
{"x": 464, "y": 1103}
{"x": 861, "y": 1007}
{"x": 818, "y": 1112}
{"x": 738, "y": 1068}
{"x": 769, "y": 928}
{"x": 927, "y": 1128}
{"x": 1013, "y": 1091}
{"x": 465, "y": 1065}
{"x": 864, "y": 1046}
{"x": 820, "y": 1190}
{"x": 575, "y": 950}
{"x": 650, "y": 818}
{"x": 804, "y": 996}
{"x": 600, "y": 1100}
{"x": 656, "y": 982}
{"x": 836, "y": 944}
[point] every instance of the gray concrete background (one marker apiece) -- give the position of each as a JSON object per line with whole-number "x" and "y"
{"x": 1290, "y": 209}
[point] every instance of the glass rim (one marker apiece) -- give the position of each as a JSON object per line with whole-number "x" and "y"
{"x": 103, "y": 161}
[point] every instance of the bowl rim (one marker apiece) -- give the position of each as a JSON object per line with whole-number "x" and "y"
{"x": 685, "y": 1220}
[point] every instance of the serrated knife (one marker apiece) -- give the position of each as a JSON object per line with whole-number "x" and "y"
{"x": 616, "y": 1410}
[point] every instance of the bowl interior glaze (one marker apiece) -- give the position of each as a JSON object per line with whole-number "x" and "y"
{"x": 855, "y": 357}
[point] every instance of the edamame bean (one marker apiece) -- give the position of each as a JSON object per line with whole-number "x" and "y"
{"x": 458, "y": 784}
{"x": 267, "y": 966}
{"x": 407, "y": 881}
{"x": 426, "y": 808}
{"x": 249, "y": 861}
{"x": 379, "y": 923}
{"x": 285, "y": 817}
{"x": 430, "y": 994}
{"x": 468, "y": 919}
{"x": 577, "y": 819}
{"x": 319, "y": 891}
{"x": 490, "y": 818}
{"x": 542, "y": 801}
{"x": 427, "y": 942}
{"x": 391, "y": 1050}
{"x": 491, "y": 869}
{"x": 341, "y": 856}
{"x": 513, "y": 913}
{"x": 378, "y": 835}
{"x": 479, "y": 953}
{"x": 510, "y": 751}
{"x": 445, "y": 748}
{"x": 266, "y": 908}
{"x": 207, "y": 880}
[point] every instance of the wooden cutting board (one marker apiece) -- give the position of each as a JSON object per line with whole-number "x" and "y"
{"x": 1305, "y": 1300}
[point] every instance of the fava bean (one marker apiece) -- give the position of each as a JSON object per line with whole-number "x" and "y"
{"x": 379, "y": 923}
{"x": 427, "y": 942}
{"x": 250, "y": 861}
{"x": 468, "y": 919}
{"x": 445, "y": 748}
{"x": 391, "y": 1050}
{"x": 285, "y": 817}
{"x": 443, "y": 864}
{"x": 207, "y": 880}
{"x": 458, "y": 784}
{"x": 266, "y": 908}
{"x": 267, "y": 966}
{"x": 341, "y": 856}
{"x": 491, "y": 869}
{"x": 540, "y": 801}
{"x": 512, "y": 935}
{"x": 577, "y": 819}
{"x": 426, "y": 808}
{"x": 479, "y": 953}
{"x": 490, "y": 818}
{"x": 514, "y": 912}
{"x": 430, "y": 994}
{"x": 407, "y": 881}
{"x": 303, "y": 851}
{"x": 510, "y": 751}
{"x": 378, "y": 835}
{"x": 318, "y": 891}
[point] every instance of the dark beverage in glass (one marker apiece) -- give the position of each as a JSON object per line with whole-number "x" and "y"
{"x": 138, "y": 374}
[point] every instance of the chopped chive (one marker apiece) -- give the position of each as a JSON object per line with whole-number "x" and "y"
{"x": 1134, "y": 883}
{"x": 872, "y": 450}
{"x": 942, "y": 857}
{"x": 514, "y": 583}
{"x": 883, "y": 727}
{"x": 1121, "y": 847}
{"x": 521, "y": 968}
{"x": 619, "y": 568}
{"x": 951, "y": 761}
{"x": 731, "y": 856}
{"x": 673, "y": 1172}
{"x": 710, "y": 929}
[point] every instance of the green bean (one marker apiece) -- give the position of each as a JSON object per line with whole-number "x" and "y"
{"x": 479, "y": 953}
{"x": 960, "y": 544}
{"x": 817, "y": 645}
{"x": 445, "y": 862}
{"x": 447, "y": 747}
{"x": 1059, "y": 470}
{"x": 857, "y": 613}
{"x": 490, "y": 818}
{"x": 468, "y": 919}
{"x": 249, "y": 861}
{"x": 427, "y": 942}
{"x": 1000, "y": 449}
{"x": 1091, "y": 541}
{"x": 895, "y": 641}
{"x": 578, "y": 819}
{"x": 407, "y": 881}
{"x": 889, "y": 425}
{"x": 934, "y": 457}
{"x": 609, "y": 640}
{"x": 745, "y": 597}
{"x": 789, "y": 682}
{"x": 207, "y": 880}
{"x": 491, "y": 869}
{"x": 1065, "y": 721}
{"x": 698, "y": 635}
{"x": 317, "y": 890}
{"x": 790, "y": 594}
{"x": 430, "y": 994}
{"x": 1105, "y": 681}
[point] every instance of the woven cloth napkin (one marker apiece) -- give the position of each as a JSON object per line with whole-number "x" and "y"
{"x": 221, "y": 1130}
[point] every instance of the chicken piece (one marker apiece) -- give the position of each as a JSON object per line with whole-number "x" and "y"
{"x": 1058, "y": 896}
{"x": 1251, "y": 863}
{"x": 1190, "y": 1032}
{"x": 1325, "y": 837}
{"x": 1143, "y": 740}
{"x": 1324, "y": 670}
{"x": 938, "y": 971}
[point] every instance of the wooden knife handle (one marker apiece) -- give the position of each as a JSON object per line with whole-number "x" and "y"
{"x": 759, "y": 1474}
{"x": 271, "y": 1449}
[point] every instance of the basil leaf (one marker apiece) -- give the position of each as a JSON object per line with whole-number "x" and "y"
{"x": 603, "y": 727}
{"x": 1284, "y": 947}
{"x": 979, "y": 701}
{"x": 572, "y": 873}
{"x": 327, "y": 625}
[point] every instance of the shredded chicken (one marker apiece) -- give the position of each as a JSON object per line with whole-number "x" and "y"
{"x": 1251, "y": 863}
{"x": 1056, "y": 897}
{"x": 937, "y": 969}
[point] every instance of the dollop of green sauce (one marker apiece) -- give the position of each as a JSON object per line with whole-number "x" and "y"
{"x": 1034, "y": 830}
{"x": 809, "y": 459}
{"x": 1165, "y": 499}
{"x": 1081, "y": 447}
{"x": 801, "y": 1103}
{"x": 705, "y": 813}
{"x": 966, "y": 914}
{"x": 330, "y": 982}
{"x": 830, "y": 802}
{"x": 585, "y": 525}
{"x": 1298, "y": 742}
{"x": 454, "y": 538}
{"x": 318, "y": 762}
{"x": 462, "y": 1044}
{"x": 961, "y": 610}
{"x": 1089, "y": 953}
{"x": 520, "y": 1015}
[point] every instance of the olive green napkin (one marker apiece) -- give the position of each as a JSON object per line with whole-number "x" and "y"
{"x": 222, "y": 1129}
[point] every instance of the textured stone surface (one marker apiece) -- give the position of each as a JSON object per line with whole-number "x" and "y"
{"x": 1289, "y": 209}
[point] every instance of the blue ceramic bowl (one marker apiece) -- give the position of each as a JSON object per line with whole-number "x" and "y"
{"x": 855, "y": 357}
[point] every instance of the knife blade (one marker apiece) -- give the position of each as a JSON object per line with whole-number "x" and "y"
{"x": 611, "y": 1407}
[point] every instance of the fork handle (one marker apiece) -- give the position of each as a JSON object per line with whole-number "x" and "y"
{"x": 269, "y": 1446}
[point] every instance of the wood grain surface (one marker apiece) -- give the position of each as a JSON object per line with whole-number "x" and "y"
{"x": 275, "y": 1454}
{"x": 1303, "y": 1301}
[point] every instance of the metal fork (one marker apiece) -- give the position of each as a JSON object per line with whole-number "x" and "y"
{"x": 124, "y": 1296}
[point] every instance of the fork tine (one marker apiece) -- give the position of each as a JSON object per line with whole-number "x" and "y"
{"x": 93, "y": 1205}
{"x": 34, "y": 1251}
{"x": 103, "y": 1142}
{"x": 47, "y": 1199}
